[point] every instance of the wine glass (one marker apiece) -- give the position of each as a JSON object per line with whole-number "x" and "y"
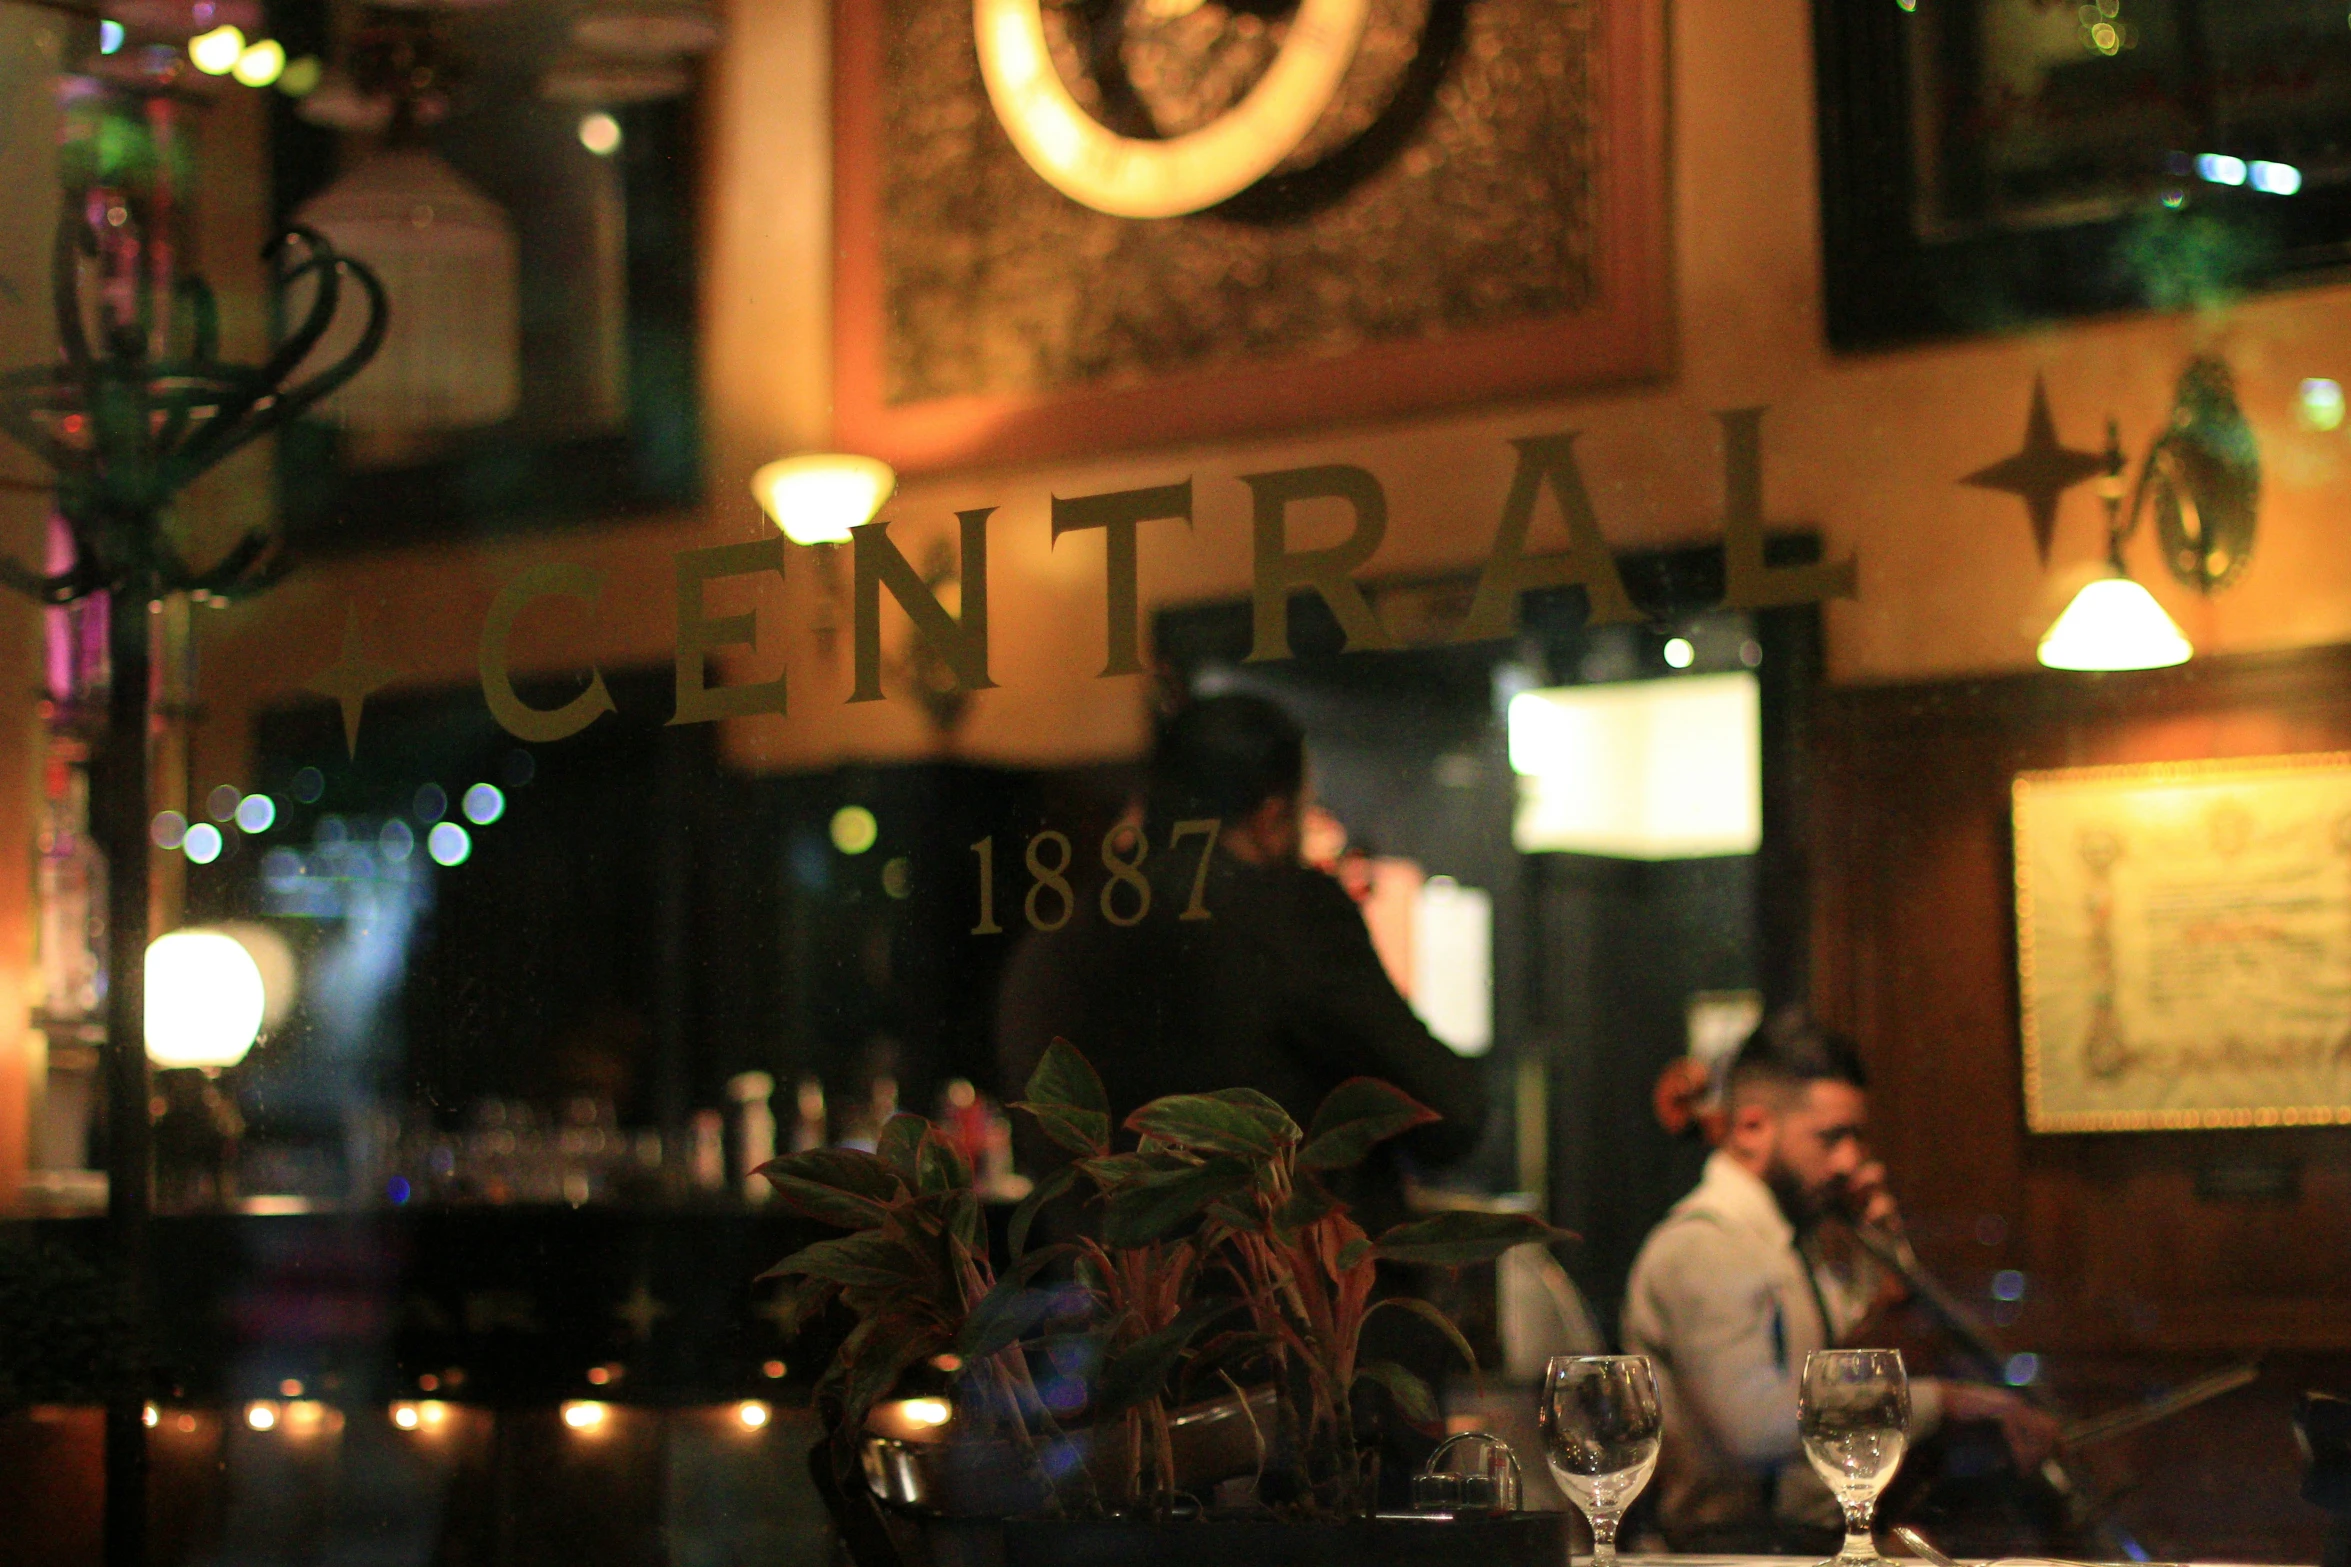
{"x": 1853, "y": 1411}
{"x": 1600, "y": 1419}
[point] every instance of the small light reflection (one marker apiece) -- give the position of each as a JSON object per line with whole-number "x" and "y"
{"x": 2024, "y": 1369}
{"x": 2320, "y": 403}
{"x": 168, "y": 829}
{"x": 290, "y": 1388}
{"x": 152, "y": 1416}
{"x": 600, "y": 133}
{"x": 773, "y": 1370}
{"x": 2008, "y": 1284}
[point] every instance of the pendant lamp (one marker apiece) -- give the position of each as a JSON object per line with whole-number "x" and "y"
{"x": 446, "y": 255}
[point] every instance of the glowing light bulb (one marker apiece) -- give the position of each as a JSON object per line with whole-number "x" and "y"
{"x": 818, "y": 498}
{"x": 1679, "y": 653}
{"x": 854, "y": 829}
{"x": 2113, "y": 623}
{"x": 584, "y": 1414}
{"x": 405, "y": 1416}
{"x": 261, "y": 1415}
{"x": 752, "y": 1413}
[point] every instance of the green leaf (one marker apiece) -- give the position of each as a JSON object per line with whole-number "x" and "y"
{"x": 1413, "y": 1399}
{"x": 1140, "y": 1371}
{"x": 901, "y": 1136}
{"x": 845, "y": 1169}
{"x": 1241, "y": 1122}
{"x": 939, "y": 1166}
{"x": 800, "y": 1303}
{"x": 1016, "y": 1234}
{"x": 1352, "y": 1254}
{"x": 1113, "y": 1171}
{"x": 1453, "y": 1240}
{"x": 1156, "y": 1206}
{"x": 872, "y": 1259}
{"x": 1430, "y": 1314}
{"x": 1356, "y": 1117}
{"x": 1065, "y": 1095}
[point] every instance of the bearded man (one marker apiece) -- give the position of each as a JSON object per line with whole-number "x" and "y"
{"x": 1730, "y": 1293}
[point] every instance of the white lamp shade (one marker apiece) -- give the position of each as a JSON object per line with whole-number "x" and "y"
{"x": 2114, "y": 623}
{"x": 205, "y": 999}
{"x": 1640, "y": 770}
{"x": 818, "y": 498}
{"x": 445, "y": 254}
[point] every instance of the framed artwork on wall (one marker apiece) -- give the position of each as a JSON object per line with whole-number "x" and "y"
{"x": 1083, "y": 228}
{"x": 1990, "y": 163}
{"x": 2184, "y": 944}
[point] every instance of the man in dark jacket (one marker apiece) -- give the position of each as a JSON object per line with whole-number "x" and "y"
{"x": 1278, "y": 988}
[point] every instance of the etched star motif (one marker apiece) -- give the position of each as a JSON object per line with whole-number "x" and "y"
{"x": 351, "y": 680}
{"x": 640, "y": 1311}
{"x": 2040, "y": 473}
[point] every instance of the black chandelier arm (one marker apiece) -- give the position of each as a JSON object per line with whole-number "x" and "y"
{"x": 78, "y": 581}
{"x": 74, "y": 241}
{"x": 319, "y": 256}
{"x": 299, "y": 400}
{"x": 194, "y": 296}
{"x": 243, "y": 571}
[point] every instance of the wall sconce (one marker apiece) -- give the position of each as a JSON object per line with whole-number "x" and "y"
{"x": 818, "y": 498}
{"x": 2202, "y": 477}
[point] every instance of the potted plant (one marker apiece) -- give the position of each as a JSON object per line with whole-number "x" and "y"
{"x": 1206, "y": 1322}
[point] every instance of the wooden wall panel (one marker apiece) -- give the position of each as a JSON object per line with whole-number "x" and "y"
{"x": 1915, "y": 953}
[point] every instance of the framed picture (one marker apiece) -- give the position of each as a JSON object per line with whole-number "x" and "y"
{"x": 2184, "y": 944}
{"x": 1465, "y": 204}
{"x": 1990, "y": 163}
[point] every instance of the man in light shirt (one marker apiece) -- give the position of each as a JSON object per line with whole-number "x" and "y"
{"x": 1729, "y": 1295}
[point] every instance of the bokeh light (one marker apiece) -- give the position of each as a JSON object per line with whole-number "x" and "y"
{"x": 2319, "y": 404}
{"x": 397, "y": 840}
{"x": 1679, "y": 653}
{"x": 600, "y": 133}
{"x": 585, "y": 1414}
{"x": 261, "y": 1415}
{"x": 483, "y": 804}
{"x": 203, "y": 843}
{"x": 216, "y": 53}
{"x": 308, "y": 785}
{"x": 168, "y": 829}
{"x": 854, "y": 829}
{"x": 431, "y": 804}
{"x": 221, "y": 805}
{"x": 205, "y": 999}
{"x": 261, "y": 63}
{"x": 448, "y": 844}
{"x": 257, "y": 813}
{"x": 753, "y": 1414}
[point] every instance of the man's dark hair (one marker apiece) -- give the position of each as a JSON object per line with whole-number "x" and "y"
{"x": 1223, "y": 756}
{"x": 1791, "y": 1050}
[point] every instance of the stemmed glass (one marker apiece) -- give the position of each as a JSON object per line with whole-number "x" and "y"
{"x": 1600, "y": 1419}
{"x": 1853, "y": 1411}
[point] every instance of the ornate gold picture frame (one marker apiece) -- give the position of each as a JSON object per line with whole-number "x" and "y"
{"x": 2184, "y": 944}
{"x": 1477, "y": 214}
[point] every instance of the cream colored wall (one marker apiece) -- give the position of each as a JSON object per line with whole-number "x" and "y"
{"x": 1867, "y": 449}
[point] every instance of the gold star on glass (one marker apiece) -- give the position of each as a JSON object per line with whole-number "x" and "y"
{"x": 2040, "y": 473}
{"x": 351, "y": 680}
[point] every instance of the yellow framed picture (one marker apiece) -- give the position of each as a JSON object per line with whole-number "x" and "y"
{"x": 2183, "y": 934}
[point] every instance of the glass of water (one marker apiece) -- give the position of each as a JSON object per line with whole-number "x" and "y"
{"x": 1601, "y": 1419}
{"x": 1854, "y": 1414}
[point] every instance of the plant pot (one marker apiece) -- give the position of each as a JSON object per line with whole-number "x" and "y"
{"x": 950, "y": 1477}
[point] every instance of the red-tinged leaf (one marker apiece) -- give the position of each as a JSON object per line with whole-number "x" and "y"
{"x": 939, "y": 1166}
{"x": 1435, "y": 1318}
{"x": 882, "y": 1260}
{"x": 1356, "y": 1117}
{"x": 1411, "y": 1395}
{"x": 1065, "y": 1095}
{"x": 827, "y": 1204}
{"x": 1307, "y": 1203}
{"x": 1016, "y": 1234}
{"x": 896, "y": 1147}
{"x": 1218, "y": 1123}
{"x": 1352, "y": 1254}
{"x": 1453, "y": 1240}
{"x": 1157, "y": 1206}
{"x": 846, "y": 1169}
